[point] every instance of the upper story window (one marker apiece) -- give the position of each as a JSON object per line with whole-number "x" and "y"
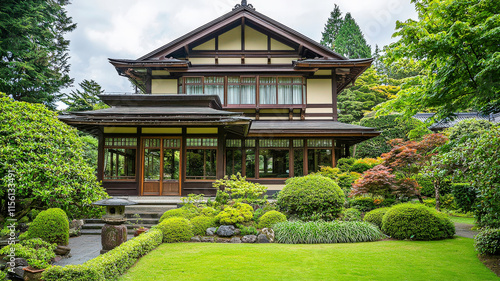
{"x": 213, "y": 85}
{"x": 241, "y": 90}
{"x": 247, "y": 90}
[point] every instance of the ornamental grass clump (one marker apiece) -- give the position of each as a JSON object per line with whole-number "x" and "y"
{"x": 417, "y": 222}
{"x": 319, "y": 232}
{"x": 312, "y": 197}
{"x": 376, "y": 216}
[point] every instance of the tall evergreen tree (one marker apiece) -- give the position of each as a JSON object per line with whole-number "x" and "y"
{"x": 85, "y": 100}
{"x": 33, "y": 52}
{"x": 332, "y": 27}
{"x": 350, "y": 41}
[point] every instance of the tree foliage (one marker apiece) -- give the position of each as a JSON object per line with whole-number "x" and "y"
{"x": 370, "y": 89}
{"x": 456, "y": 42}
{"x": 86, "y": 99}
{"x": 332, "y": 27}
{"x": 391, "y": 127}
{"x": 350, "y": 41}
{"x": 477, "y": 161}
{"x": 46, "y": 160}
{"x": 33, "y": 51}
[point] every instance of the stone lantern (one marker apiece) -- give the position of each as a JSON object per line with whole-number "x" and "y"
{"x": 114, "y": 232}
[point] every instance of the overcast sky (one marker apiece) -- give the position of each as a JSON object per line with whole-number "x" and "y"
{"x": 128, "y": 29}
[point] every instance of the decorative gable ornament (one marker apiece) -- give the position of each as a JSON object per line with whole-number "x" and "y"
{"x": 243, "y": 5}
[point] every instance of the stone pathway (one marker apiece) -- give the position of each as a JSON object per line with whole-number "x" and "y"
{"x": 464, "y": 230}
{"x": 83, "y": 248}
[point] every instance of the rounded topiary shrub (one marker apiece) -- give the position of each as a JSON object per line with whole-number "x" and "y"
{"x": 270, "y": 218}
{"x": 184, "y": 212}
{"x": 351, "y": 214}
{"x": 311, "y": 197}
{"x": 208, "y": 212}
{"x": 201, "y": 223}
{"x": 51, "y": 225}
{"x": 237, "y": 213}
{"x": 176, "y": 230}
{"x": 376, "y": 216}
{"x": 418, "y": 222}
{"x": 488, "y": 242}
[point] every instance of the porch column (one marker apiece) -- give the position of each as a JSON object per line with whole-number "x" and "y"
{"x": 221, "y": 153}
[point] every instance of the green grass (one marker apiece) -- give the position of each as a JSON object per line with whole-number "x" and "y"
{"x": 452, "y": 259}
{"x": 462, "y": 220}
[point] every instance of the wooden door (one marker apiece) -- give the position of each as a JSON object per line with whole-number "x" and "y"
{"x": 161, "y": 166}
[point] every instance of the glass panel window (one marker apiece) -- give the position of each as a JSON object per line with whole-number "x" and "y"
{"x": 250, "y": 143}
{"x": 298, "y": 162}
{"x": 250, "y": 163}
{"x": 317, "y": 158}
{"x": 152, "y": 164}
{"x": 233, "y": 143}
{"x": 320, "y": 143}
{"x": 267, "y": 90}
{"x": 215, "y": 86}
{"x": 298, "y": 143}
{"x": 233, "y": 161}
{"x": 201, "y": 164}
{"x": 273, "y": 163}
{"x": 274, "y": 143}
{"x": 241, "y": 90}
{"x": 194, "y": 85}
{"x": 201, "y": 159}
{"x": 171, "y": 158}
{"x": 120, "y": 158}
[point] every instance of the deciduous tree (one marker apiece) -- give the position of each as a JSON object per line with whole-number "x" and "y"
{"x": 456, "y": 42}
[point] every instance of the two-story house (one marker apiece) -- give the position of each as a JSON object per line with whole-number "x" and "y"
{"x": 242, "y": 93}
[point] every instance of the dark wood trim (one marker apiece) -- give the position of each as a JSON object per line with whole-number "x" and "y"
{"x": 221, "y": 153}
{"x": 148, "y": 81}
{"x": 334, "y": 97}
{"x": 319, "y": 115}
{"x": 291, "y": 163}
{"x": 243, "y": 34}
{"x": 183, "y": 157}
{"x": 100, "y": 156}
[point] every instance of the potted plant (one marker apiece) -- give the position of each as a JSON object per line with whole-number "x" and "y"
{"x": 34, "y": 270}
{"x": 139, "y": 229}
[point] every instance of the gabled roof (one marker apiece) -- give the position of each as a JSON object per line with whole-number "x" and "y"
{"x": 246, "y": 13}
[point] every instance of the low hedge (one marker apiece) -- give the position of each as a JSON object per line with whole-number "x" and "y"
{"x": 488, "y": 242}
{"x": 317, "y": 232}
{"x": 270, "y": 218}
{"x": 51, "y": 225}
{"x": 108, "y": 266}
{"x": 417, "y": 222}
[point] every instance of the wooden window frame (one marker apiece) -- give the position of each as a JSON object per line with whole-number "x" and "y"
{"x": 113, "y": 146}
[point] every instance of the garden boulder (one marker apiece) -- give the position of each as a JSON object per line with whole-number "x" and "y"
{"x": 226, "y": 230}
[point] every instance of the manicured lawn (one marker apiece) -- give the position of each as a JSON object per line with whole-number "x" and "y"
{"x": 463, "y": 220}
{"x": 452, "y": 259}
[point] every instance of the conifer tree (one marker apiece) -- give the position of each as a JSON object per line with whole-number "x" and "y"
{"x": 332, "y": 27}
{"x": 84, "y": 100}
{"x": 33, "y": 51}
{"x": 350, "y": 41}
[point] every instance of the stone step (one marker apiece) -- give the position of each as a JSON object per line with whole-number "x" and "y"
{"x": 148, "y": 209}
{"x": 129, "y": 221}
{"x": 100, "y": 225}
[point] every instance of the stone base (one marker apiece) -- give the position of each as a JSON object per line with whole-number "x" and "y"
{"x": 112, "y": 236}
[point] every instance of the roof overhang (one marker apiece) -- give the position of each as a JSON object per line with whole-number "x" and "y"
{"x": 344, "y": 133}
